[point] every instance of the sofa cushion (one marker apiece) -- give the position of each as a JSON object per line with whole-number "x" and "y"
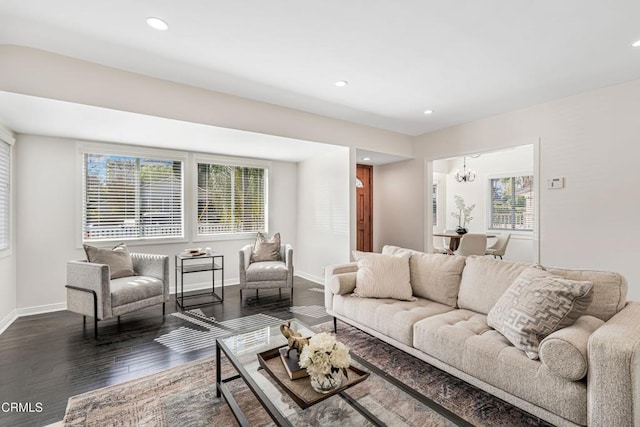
{"x": 118, "y": 259}
{"x": 564, "y": 352}
{"x": 609, "y": 290}
{"x": 266, "y": 248}
{"x": 433, "y": 276}
{"x": 463, "y": 340}
{"x": 343, "y": 283}
{"x": 537, "y": 304}
{"x": 382, "y": 276}
{"x": 266, "y": 271}
{"x": 391, "y": 317}
{"x": 126, "y": 290}
{"x": 484, "y": 280}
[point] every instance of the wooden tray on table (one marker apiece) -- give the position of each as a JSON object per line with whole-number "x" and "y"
{"x": 300, "y": 390}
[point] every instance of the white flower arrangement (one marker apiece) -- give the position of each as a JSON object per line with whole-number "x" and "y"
{"x": 324, "y": 356}
{"x": 464, "y": 212}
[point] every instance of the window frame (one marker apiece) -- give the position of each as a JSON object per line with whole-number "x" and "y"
{"x": 7, "y": 137}
{"x": 489, "y": 204}
{"x": 129, "y": 151}
{"x": 228, "y": 161}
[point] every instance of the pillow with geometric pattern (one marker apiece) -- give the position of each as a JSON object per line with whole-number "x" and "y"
{"x": 536, "y": 304}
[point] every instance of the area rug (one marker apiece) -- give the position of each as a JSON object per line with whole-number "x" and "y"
{"x": 186, "y": 396}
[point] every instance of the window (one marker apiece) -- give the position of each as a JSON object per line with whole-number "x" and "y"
{"x": 5, "y": 209}
{"x": 130, "y": 197}
{"x": 512, "y": 203}
{"x": 231, "y": 199}
{"x": 434, "y": 203}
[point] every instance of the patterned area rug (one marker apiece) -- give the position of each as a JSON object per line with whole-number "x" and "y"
{"x": 185, "y": 395}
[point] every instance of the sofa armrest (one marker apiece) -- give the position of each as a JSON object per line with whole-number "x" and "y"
{"x": 153, "y": 266}
{"x": 613, "y": 384}
{"x": 92, "y": 277}
{"x": 329, "y": 272}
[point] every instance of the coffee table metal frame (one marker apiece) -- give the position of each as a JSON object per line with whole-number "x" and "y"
{"x": 279, "y": 419}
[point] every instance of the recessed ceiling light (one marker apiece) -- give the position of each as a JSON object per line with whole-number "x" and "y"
{"x": 636, "y": 44}
{"x": 157, "y": 24}
{"x": 427, "y": 112}
{"x": 366, "y": 159}
{"x": 341, "y": 83}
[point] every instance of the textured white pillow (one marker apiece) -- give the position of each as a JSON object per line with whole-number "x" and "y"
{"x": 383, "y": 276}
{"x": 537, "y": 304}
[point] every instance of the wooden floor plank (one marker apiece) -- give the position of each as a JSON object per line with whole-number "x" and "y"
{"x": 49, "y": 357}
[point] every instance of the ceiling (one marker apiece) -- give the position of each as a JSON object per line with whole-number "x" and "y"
{"x": 462, "y": 59}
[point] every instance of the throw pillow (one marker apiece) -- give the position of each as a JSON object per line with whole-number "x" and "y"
{"x": 383, "y": 276}
{"x": 118, "y": 259}
{"x": 537, "y": 304}
{"x": 266, "y": 249}
{"x": 564, "y": 352}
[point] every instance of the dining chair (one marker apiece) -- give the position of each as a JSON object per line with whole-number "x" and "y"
{"x": 472, "y": 244}
{"x": 499, "y": 247}
{"x": 446, "y": 241}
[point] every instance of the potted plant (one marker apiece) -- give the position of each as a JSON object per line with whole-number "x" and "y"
{"x": 463, "y": 215}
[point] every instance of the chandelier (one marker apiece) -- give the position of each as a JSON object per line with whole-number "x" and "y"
{"x": 467, "y": 175}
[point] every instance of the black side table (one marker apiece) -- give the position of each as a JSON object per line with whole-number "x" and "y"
{"x": 195, "y": 264}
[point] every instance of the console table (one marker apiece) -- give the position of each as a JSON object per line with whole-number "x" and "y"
{"x": 196, "y": 264}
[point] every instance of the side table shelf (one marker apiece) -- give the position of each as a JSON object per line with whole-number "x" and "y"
{"x": 187, "y": 264}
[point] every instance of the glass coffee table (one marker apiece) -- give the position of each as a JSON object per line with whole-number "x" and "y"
{"x": 378, "y": 400}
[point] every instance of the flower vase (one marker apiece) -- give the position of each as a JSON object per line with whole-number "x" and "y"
{"x": 326, "y": 383}
{"x": 461, "y": 230}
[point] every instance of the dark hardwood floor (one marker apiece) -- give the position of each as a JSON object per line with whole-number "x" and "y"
{"x": 45, "y": 359}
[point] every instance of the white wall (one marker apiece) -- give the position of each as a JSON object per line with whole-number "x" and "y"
{"x": 324, "y": 213}
{"x": 398, "y": 214}
{"x": 591, "y": 139}
{"x": 46, "y": 189}
{"x": 8, "y": 262}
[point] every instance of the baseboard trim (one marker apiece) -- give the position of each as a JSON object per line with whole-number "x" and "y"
{"x": 316, "y": 279}
{"x": 7, "y": 321}
{"x": 41, "y": 309}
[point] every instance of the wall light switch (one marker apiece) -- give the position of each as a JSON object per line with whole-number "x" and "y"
{"x": 555, "y": 183}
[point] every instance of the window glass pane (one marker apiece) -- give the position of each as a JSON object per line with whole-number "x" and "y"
{"x": 130, "y": 197}
{"x": 231, "y": 199}
{"x": 434, "y": 198}
{"x": 512, "y": 203}
{"x": 5, "y": 209}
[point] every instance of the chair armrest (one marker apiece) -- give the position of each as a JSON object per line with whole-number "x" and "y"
{"x": 329, "y": 272}
{"x": 613, "y": 383}
{"x": 92, "y": 277}
{"x": 245, "y": 257}
{"x": 153, "y": 265}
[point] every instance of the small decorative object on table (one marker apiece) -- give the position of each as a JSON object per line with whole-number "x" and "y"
{"x": 326, "y": 361}
{"x": 463, "y": 215}
{"x": 291, "y": 355}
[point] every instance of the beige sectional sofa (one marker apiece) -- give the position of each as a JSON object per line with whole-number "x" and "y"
{"x": 588, "y": 373}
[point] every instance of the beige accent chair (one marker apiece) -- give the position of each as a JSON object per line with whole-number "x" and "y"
{"x": 472, "y": 244}
{"x": 91, "y": 291}
{"x": 266, "y": 274}
{"x": 499, "y": 247}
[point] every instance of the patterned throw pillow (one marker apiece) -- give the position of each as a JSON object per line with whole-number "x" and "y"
{"x": 118, "y": 259}
{"x": 383, "y": 276}
{"x": 266, "y": 249}
{"x": 537, "y": 304}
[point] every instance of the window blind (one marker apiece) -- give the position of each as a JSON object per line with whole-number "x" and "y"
{"x": 128, "y": 197}
{"x": 512, "y": 203}
{"x": 231, "y": 199}
{"x": 434, "y": 203}
{"x": 5, "y": 208}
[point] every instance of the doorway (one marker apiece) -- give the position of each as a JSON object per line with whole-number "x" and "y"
{"x": 364, "y": 207}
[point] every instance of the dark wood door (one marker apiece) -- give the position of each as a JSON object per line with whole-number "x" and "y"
{"x": 364, "y": 201}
